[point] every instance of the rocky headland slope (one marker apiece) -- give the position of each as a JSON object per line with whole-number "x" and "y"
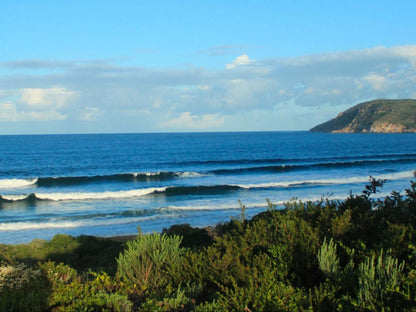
{"x": 378, "y": 116}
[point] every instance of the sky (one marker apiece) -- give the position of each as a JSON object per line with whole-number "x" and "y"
{"x": 190, "y": 66}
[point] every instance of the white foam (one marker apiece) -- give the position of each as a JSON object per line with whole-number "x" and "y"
{"x": 16, "y": 183}
{"x": 363, "y": 179}
{"x": 149, "y": 174}
{"x": 20, "y": 226}
{"x": 302, "y": 182}
{"x": 98, "y": 195}
{"x": 15, "y": 197}
{"x": 226, "y": 206}
{"x": 397, "y": 175}
{"x": 191, "y": 174}
{"x": 201, "y": 207}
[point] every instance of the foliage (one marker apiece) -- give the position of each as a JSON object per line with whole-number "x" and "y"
{"x": 22, "y": 287}
{"x": 177, "y": 302}
{"x": 82, "y": 252}
{"x": 379, "y": 281}
{"x": 191, "y": 237}
{"x": 71, "y": 292}
{"x": 151, "y": 263}
{"x": 328, "y": 260}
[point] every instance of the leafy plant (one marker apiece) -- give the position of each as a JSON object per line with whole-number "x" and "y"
{"x": 151, "y": 263}
{"x": 328, "y": 260}
{"x": 22, "y": 287}
{"x": 379, "y": 281}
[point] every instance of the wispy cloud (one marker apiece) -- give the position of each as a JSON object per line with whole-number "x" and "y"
{"x": 226, "y": 49}
{"x": 9, "y": 112}
{"x": 276, "y": 93}
{"x": 145, "y": 51}
{"x": 186, "y": 121}
{"x": 55, "y": 64}
{"x": 34, "y": 64}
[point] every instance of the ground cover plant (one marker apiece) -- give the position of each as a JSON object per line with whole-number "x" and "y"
{"x": 353, "y": 255}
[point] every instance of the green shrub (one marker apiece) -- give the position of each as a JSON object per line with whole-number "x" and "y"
{"x": 151, "y": 263}
{"x": 71, "y": 292}
{"x": 22, "y": 289}
{"x": 338, "y": 289}
{"x": 262, "y": 293}
{"x": 301, "y": 241}
{"x": 6, "y": 258}
{"x": 328, "y": 260}
{"x": 379, "y": 282}
{"x": 177, "y": 302}
{"x": 117, "y": 303}
{"x": 82, "y": 252}
{"x": 194, "y": 238}
{"x": 58, "y": 273}
{"x": 376, "y": 284}
{"x": 212, "y": 306}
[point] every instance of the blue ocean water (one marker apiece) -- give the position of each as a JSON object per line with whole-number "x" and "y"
{"x": 109, "y": 184}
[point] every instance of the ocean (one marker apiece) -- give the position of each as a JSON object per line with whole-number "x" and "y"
{"x": 111, "y": 184}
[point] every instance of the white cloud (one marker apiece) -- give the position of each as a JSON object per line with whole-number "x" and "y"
{"x": 34, "y": 104}
{"x": 7, "y": 111}
{"x": 112, "y": 96}
{"x": 40, "y": 98}
{"x": 186, "y": 121}
{"x": 377, "y": 82}
{"x": 10, "y": 113}
{"x": 406, "y": 52}
{"x": 48, "y": 115}
{"x": 240, "y": 61}
{"x": 89, "y": 113}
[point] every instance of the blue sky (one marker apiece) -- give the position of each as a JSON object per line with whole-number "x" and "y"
{"x": 161, "y": 66}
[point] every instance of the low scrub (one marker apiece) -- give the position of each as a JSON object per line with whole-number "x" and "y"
{"x": 23, "y": 288}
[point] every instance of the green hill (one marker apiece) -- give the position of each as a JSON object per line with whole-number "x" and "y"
{"x": 383, "y": 116}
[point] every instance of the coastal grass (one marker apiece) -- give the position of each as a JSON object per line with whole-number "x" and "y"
{"x": 353, "y": 255}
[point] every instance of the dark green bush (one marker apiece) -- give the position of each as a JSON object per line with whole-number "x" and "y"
{"x": 194, "y": 238}
{"x": 72, "y": 292}
{"x": 23, "y": 289}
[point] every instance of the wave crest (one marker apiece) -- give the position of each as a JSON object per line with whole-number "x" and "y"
{"x": 16, "y": 183}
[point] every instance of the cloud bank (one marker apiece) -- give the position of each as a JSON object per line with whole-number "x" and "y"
{"x": 247, "y": 94}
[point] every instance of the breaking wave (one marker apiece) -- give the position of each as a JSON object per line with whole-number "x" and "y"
{"x": 190, "y": 190}
{"x": 16, "y": 183}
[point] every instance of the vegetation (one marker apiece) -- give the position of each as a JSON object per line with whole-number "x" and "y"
{"x": 353, "y": 255}
{"x": 374, "y": 116}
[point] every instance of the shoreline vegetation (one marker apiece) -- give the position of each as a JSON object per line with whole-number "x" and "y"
{"x": 358, "y": 254}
